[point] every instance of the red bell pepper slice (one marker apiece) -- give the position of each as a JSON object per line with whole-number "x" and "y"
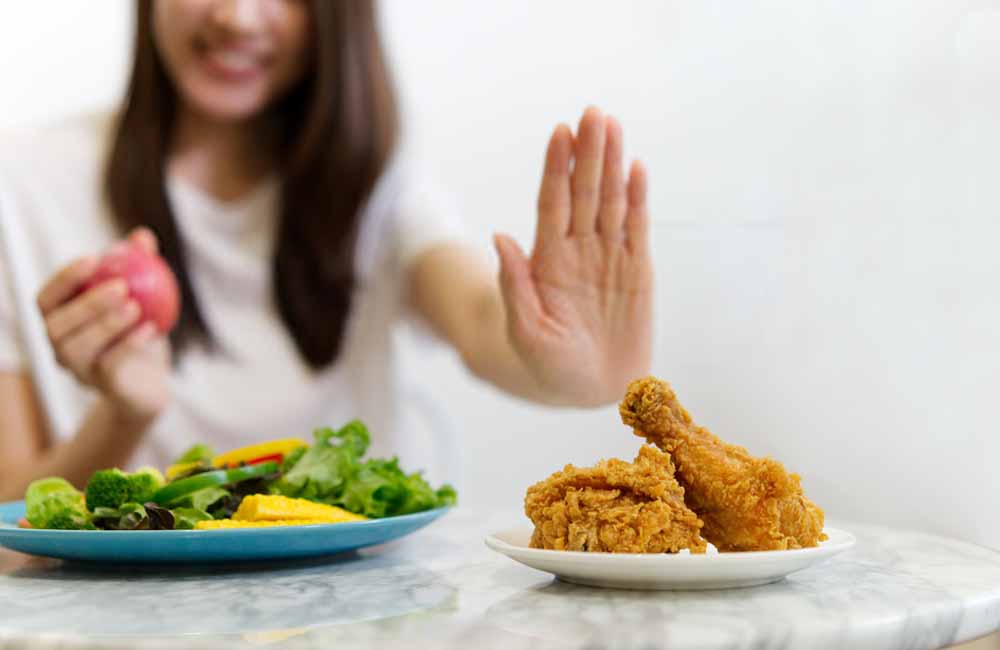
{"x": 263, "y": 459}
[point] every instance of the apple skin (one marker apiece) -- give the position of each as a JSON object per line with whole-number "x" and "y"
{"x": 150, "y": 282}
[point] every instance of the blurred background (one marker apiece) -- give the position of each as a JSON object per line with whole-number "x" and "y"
{"x": 826, "y": 211}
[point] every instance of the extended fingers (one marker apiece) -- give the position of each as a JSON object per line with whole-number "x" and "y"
{"x": 613, "y": 199}
{"x": 637, "y": 218}
{"x": 593, "y": 197}
{"x": 516, "y": 285}
{"x": 554, "y": 204}
{"x": 586, "y": 179}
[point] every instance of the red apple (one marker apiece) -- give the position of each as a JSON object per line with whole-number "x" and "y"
{"x": 150, "y": 281}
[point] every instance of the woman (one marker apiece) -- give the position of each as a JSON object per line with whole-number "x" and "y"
{"x": 255, "y": 151}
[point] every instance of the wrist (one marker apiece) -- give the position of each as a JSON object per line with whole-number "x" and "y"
{"x": 129, "y": 418}
{"x": 581, "y": 389}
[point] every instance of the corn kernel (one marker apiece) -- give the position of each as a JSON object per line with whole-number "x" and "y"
{"x": 218, "y": 524}
{"x": 273, "y": 507}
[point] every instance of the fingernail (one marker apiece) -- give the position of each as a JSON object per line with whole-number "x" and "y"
{"x": 131, "y": 310}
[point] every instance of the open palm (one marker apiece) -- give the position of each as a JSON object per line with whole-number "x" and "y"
{"x": 579, "y": 309}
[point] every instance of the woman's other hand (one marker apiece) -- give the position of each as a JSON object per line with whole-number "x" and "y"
{"x": 580, "y": 308}
{"x": 97, "y": 335}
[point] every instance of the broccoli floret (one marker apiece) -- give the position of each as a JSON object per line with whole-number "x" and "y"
{"x": 54, "y": 503}
{"x": 112, "y": 488}
{"x": 145, "y": 482}
{"x": 108, "y": 488}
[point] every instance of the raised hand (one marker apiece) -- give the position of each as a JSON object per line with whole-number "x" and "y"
{"x": 96, "y": 336}
{"x": 579, "y": 310}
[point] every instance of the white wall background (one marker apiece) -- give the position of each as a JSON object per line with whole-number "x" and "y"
{"x": 826, "y": 197}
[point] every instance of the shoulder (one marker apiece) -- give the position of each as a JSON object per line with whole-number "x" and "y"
{"x": 409, "y": 210}
{"x": 50, "y": 185}
{"x": 407, "y": 185}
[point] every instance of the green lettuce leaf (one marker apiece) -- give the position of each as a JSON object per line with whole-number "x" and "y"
{"x": 382, "y": 489}
{"x": 331, "y": 471}
{"x": 195, "y": 454}
{"x": 324, "y": 469}
{"x": 202, "y": 499}
{"x": 186, "y": 518}
{"x": 353, "y": 437}
{"x": 292, "y": 458}
{"x": 129, "y": 516}
{"x": 54, "y": 503}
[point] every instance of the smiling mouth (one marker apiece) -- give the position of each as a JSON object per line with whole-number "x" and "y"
{"x": 233, "y": 64}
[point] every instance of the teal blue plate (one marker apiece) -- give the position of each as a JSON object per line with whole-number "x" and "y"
{"x": 202, "y": 546}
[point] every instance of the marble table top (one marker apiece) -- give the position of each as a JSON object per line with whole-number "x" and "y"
{"x": 442, "y": 588}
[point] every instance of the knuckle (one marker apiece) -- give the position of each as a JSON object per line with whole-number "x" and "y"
{"x": 108, "y": 323}
{"x": 106, "y": 365}
{"x": 96, "y": 304}
{"x": 112, "y": 323}
{"x": 77, "y": 368}
{"x": 130, "y": 347}
{"x": 71, "y": 356}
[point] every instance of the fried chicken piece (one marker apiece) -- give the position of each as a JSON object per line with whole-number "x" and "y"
{"x": 747, "y": 503}
{"x": 614, "y": 507}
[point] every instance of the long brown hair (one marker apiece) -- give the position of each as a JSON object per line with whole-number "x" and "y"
{"x": 338, "y": 127}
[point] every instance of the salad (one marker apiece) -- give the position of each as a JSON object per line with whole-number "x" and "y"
{"x": 278, "y": 483}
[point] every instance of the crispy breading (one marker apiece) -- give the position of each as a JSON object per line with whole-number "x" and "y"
{"x": 615, "y": 507}
{"x": 746, "y": 503}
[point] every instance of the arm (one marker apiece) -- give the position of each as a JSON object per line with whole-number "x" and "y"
{"x": 97, "y": 337}
{"x": 571, "y": 323}
{"x": 106, "y": 438}
{"x": 454, "y": 289}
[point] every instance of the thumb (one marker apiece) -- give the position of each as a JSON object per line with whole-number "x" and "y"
{"x": 145, "y": 238}
{"x": 516, "y": 284}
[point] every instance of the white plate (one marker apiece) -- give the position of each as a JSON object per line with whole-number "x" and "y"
{"x": 683, "y": 570}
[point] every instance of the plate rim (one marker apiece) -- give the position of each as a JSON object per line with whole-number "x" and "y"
{"x": 506, "y": 548}
{"x": 8, "y": 528}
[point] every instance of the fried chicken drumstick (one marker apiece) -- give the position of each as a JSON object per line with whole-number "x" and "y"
{"x": 746, "y": 503}
{"x": 615, "y": 507}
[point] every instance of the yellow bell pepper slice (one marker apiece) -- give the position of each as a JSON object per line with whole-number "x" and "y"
{"x": 180, "y": 468}
{"x": 258, "y": 451}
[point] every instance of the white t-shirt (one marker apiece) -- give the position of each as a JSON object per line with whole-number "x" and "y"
{"x": 52, "y": 210}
